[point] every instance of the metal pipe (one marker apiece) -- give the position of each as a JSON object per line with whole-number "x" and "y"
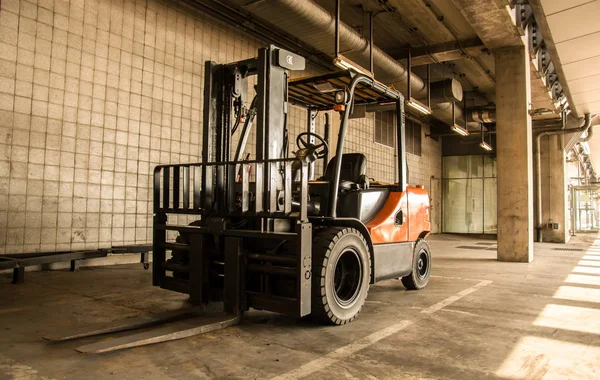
{"x": 409, "y": 75}
{"x": 335, "y": 182}
{"x": 311, "y": 23}
{"x": 586, "y": 124}
{"x": 401, "y": 148}
{"x": 371, "y": 39}
{"x": 327, "y": 133}
{"x": 337, "y": 27}
{"x": 465, "y": 109}
{"x": 572, "y": 191}
{"x": 590, "y": 131}
{"x": 588, "y": 137}
{"x": 428, "y": 81}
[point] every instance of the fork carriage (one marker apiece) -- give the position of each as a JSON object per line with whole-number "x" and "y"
{"x": 263, "y": 236}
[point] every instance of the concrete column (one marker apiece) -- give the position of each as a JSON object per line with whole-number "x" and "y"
{"x": 515, "y": 160}
{"x": 554, "y": 190}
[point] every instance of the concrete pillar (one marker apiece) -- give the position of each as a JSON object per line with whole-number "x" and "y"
{"x": 554, "y": 190}
{"x": 515, "y": 160}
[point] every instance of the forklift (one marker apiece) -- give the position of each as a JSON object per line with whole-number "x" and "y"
{"x": 264, "y": 234}
{"x": 267, "y": 236}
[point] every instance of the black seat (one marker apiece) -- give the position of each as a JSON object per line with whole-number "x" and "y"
{"x": 353, "y": 171}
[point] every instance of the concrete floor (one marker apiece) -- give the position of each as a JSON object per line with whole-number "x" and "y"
{"x": 478, "y": 318}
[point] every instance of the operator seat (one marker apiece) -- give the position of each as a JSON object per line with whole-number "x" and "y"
{"x": 353, "y": 171}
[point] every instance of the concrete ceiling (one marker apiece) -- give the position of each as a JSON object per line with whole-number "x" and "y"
{"x": 457, "y": 38}
{"x": 493, "y": 22}
{"x": 575, "y": 32}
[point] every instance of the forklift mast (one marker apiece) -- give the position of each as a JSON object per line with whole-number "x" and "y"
{"x": 226, "y": 87}
{"x": 245, "y": 219}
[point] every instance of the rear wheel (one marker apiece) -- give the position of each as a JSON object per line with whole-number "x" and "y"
{"x": 421, "y": 269}
{"x": 341, "y": 274}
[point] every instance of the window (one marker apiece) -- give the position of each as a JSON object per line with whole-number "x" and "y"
{"x": 385, "y": 124}
{"x": 469, "y": 194}
{"x": 413, "y": 137}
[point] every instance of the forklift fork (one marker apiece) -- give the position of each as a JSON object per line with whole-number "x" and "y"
{"x": 172, "y": 325}
{"x": 177, "y": 324}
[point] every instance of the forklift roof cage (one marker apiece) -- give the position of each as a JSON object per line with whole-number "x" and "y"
{"x": 318, "y": 92}
{"x": 322, "y": 93}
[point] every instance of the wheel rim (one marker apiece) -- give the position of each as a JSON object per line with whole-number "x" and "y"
{"x": 347, "y": 277}
{"x": 422, "y": 264}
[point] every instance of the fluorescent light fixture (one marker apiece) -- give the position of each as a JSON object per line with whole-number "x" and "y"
{"x": 324, "y": 87}
{"x": 346, "y": 64}
{"x": 460, "y": 130}
{"x": 485, "y": 146}
{"x": 418, "y": 106}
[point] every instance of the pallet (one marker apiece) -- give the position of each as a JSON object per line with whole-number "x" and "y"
{"x": 19, "y": 261}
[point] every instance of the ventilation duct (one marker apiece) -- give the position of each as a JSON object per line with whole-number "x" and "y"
{"x": 482, "y": 116}
{"x": 310, "y": 23}
{"x": 443, "y": 111}
{"x": 447, "y": 90}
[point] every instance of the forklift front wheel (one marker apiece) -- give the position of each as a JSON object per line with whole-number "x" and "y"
{"x": 341, "y": 273}
{"x": 421, "y": 269}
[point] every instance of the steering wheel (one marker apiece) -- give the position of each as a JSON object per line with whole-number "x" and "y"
{"x": 319, "y": 150}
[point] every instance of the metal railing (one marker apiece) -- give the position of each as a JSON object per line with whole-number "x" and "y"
{"x": 249, "y": 188}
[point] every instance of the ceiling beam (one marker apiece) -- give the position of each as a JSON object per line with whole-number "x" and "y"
{"x": 492, "y": 21}
{"x": 483, "y": 79}
{"x": 448, "y": 51}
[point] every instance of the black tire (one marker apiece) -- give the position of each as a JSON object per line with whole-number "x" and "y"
{"x": 341, "y": 272}
{"x": 419, "y": 277}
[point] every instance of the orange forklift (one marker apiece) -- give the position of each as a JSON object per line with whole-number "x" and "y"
{"x": 266, "y": 236}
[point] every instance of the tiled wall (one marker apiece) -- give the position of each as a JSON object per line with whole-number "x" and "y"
{"x": 93, "y": 95}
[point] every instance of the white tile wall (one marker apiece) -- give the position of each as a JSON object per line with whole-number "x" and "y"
{"x": 93, "y": 95}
